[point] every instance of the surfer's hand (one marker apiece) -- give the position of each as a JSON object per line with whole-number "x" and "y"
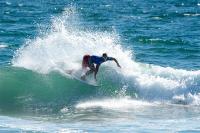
{"x": 118, "y": 65}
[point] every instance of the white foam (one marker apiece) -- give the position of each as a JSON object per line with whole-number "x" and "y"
{"x": 64, "y": 110}
{"x": 8, "y": 3}
{"x": 65, "y": 46}
{"x": 123, "y": 104}
{"x": 187, "y": 99}
{"x": 20, "y": 4}
{"x": 3, "y": 46}
{"x": 192, "y": 14}
{"x": 24, "y": 125}
{"x": 66, "y": 43}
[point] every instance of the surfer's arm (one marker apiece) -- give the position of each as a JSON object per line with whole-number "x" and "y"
{"x": 113, "y": 59}
{"x": 116, "y": 62}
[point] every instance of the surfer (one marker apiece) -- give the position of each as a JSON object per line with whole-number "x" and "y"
{"x": 91, "y": 61}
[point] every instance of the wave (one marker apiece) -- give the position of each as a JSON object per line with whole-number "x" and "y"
{"x": 22, "y": 89}
{"x": 62, "y": 48}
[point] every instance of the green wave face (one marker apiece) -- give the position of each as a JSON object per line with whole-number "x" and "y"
{"x": 23, "y": 90}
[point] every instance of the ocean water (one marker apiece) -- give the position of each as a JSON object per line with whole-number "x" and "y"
{"x": 157, "y": 43}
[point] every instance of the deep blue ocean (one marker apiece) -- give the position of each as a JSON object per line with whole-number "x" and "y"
{"x": 156, "y": 42}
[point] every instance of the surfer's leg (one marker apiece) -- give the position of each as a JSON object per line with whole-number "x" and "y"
{"x": 87, "y": 73}
{"x": 92, "y": 69}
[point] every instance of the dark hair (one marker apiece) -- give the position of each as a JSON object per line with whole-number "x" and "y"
{"x": 104, "y": 54}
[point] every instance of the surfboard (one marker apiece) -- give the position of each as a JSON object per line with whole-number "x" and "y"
{"x": 93, "y": 83}
{"x": 77, "y": 75}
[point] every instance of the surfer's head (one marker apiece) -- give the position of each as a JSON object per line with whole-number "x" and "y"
{"x": 104, "y": 56}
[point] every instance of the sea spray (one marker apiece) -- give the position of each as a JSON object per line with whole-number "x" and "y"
{"x": 65, "y": 45}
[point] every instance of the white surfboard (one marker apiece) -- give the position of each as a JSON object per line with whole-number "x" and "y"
{"x": 93, "y": 83}
{"x": 77, "y": 75}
